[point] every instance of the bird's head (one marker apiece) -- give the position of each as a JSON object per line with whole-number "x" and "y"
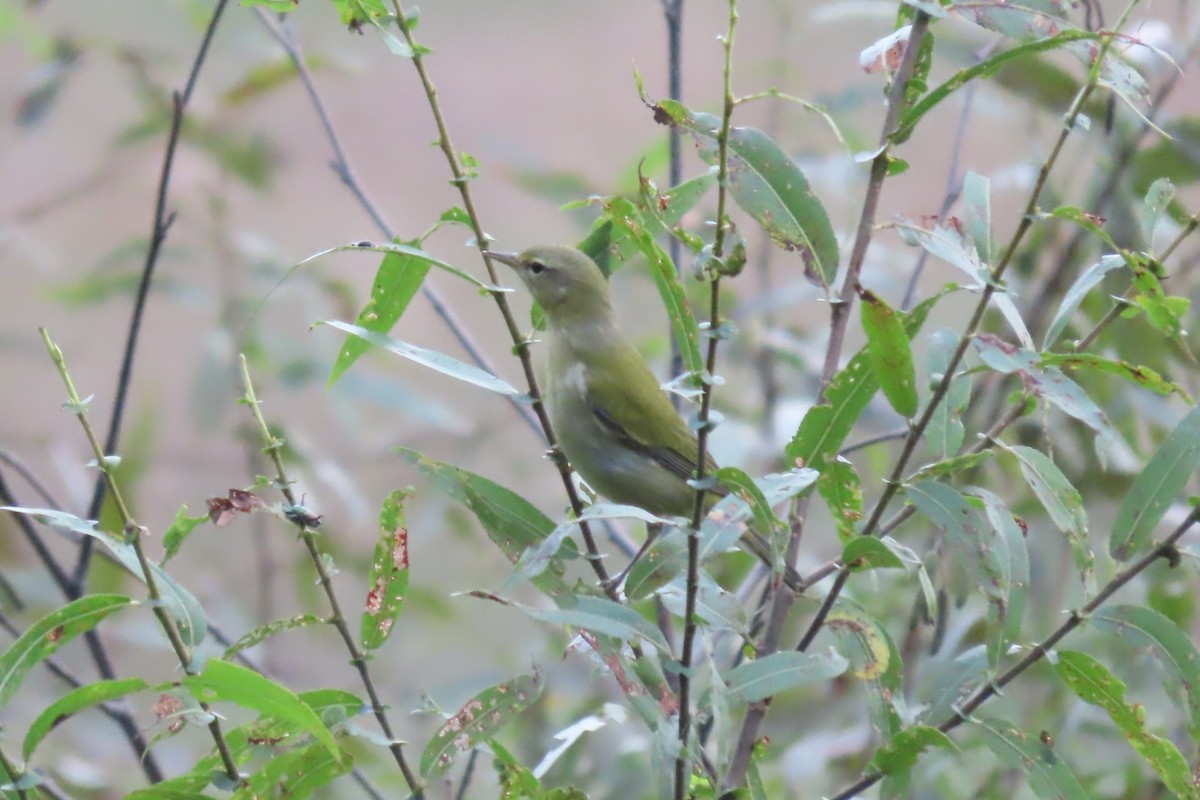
{"x": 566, "y": 283}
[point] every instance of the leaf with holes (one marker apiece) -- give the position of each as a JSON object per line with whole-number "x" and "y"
{"x": 479, "y": 719}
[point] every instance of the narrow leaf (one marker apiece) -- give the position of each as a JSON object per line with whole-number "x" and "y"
{"x": 226, "y": 682}
{"x": 430, "y": 358}
{"x": 1094, "y": 684}
{"x": 769, "y": 186}
{"x": 62, "y": 709}
{"x": 1156, "y": 487}
{"x": 825, "y": 427}
{"x": 186, "y": 610}
{"x": 1061, "y": 500}
{"x": 512, "y": 522}
{"x": 945, "y": 433}
{"x": 1143, "y": 628}
{"x": 389, "y": 573}
{"x": 269, "y": 629}
{"x": 890, "y": 353}
{"x": 1049, "y": 776}
{"x": 481, "y": 717}
{"x": 626, "y": 217}
{"x": 1087, "y": 280}
{"x": 51, "y": 632}
{"x": 841, "y": 488}
{"x": 601, "y": 615}
{"x": 768, "y": 676}
{"x": 901, "y": 754}
{"x": 396, "y": 283}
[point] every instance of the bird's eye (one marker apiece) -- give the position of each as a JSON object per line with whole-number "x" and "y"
{"x": 537, "y": 267}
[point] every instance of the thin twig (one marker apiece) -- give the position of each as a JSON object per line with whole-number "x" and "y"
{"x": 133, "y": 537}
{"x": 673, "y": 15}
{"x": 706, "y": 394}
{"x": 782, "y": 602}
{"x": 520, "y": 343}
{"x": 336, "y": 618}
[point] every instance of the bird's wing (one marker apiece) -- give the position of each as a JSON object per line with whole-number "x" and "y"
{"x": 626, "y": 416}
{"x": 679, "y": 463}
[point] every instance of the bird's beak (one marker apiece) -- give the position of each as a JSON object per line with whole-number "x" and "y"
{"x": 504, "y": 258}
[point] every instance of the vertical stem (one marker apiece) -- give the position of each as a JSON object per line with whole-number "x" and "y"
{"x": 710, "y": 365}
{"x": 673, "y": 13}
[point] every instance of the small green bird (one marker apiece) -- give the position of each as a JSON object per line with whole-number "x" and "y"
{"x": 613, "y": 420}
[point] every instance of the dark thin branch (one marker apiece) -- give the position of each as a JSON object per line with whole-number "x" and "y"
{"x": 159, "y": 227}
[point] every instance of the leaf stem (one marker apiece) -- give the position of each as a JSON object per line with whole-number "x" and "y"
{"x": 133, "y": 537}
{"x": 337, "y": 618}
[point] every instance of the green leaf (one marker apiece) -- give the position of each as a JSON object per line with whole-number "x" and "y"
{"x": 1158, "y": 199}
{"x": 1156, "y": 487}
{"x": 1061, "y": 500}
{"x": 768, "y": 676}
{"x": 901, "y": 753}
{"x": 626, "y": 217}
{"x": 389, "y": 573}
{"x": 601, "y": 615}
{"x": 1049, "y": 776}
{"x": 866, "y": 553}
{"x": 739, "y": 483}
{"x": 890, "y": 353}
{"x": 1139, "y": 375}
{"x": 1006, "y": 618}
{"x": 92, "y": 694}
{"x": 769, "y": 186}
{"x": 1144, "y": 628}
{"x": 295, "y": 774}
{"x": 51, "y": 632}
{"x": 608, "y": 243}
{"x": 479, "y": 719}
{"x": 841, "y": 489}
{"x": 872, "y": 656}
{"x": 186, "y": 610}
{"x": 945, "y": 433}
{"x": 952, "y": 683}
{"x": 1045, "y": 382}
{"x": 225, "y": 682}
{"x": 968, "y": 532}
{"x": 178, "y": 530}
{"x": 1164, "y": 313}
{"x": 947, "y": 241}
{"x": 825, "y": 427}
{"x": 1087, "y": 280}
{"x": 1094, "y": 684}
{"x": 512, "y": 522}
{"x": 411, "y": 251}
{"x": 985, "y": 68}
{"x": 396, "y": 283}
{"x": 430, "y": 358}
{"x": 269, "y": 629}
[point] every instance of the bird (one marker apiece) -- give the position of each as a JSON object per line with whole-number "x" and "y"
{"x": 613, "y": 420}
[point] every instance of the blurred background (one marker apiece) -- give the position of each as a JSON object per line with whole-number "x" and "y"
{"x": 542, "y": 94}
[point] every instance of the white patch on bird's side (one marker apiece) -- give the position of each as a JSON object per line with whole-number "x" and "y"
{"x": 575, "y": 379}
